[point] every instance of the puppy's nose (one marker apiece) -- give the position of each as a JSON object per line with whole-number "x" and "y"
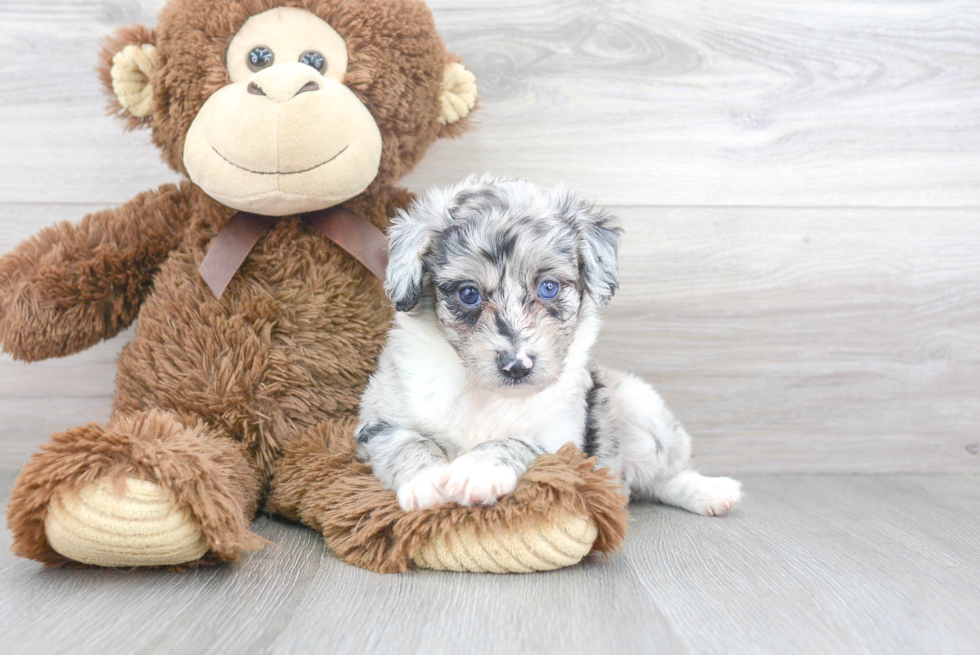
{"x": 515, "y": 366}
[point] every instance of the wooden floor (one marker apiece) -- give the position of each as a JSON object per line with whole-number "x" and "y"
{"x": 800, "y": 186}
{"x": 810, "y": 564}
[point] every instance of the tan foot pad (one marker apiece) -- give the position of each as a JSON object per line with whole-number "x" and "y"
{"x": 142, "y": 527}
{"x": 543, "y": 547}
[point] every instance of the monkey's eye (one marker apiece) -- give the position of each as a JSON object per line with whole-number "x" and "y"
{"x": 548, "y": 289}
{"x": 469, "y": 296}
{"x": 260, "y": 57}
{"x": 314, "y": 59}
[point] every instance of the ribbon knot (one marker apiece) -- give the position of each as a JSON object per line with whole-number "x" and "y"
{"x": 352, "y": 232}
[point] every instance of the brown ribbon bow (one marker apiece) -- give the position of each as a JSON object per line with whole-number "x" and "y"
{"x": 235, "y": 241}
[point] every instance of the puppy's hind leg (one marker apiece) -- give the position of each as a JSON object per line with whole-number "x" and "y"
{"x": 699, "y": 494}
{"x": 656, "y": 451}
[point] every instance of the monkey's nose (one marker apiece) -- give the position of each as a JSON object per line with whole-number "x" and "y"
{"x": 255, "y": 89}
{"x": 286, "y": 83}
{"x": 515, "y": 367}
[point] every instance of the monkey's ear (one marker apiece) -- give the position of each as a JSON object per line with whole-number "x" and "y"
{"x": 410, "y": 236}
{"x": 457, "y": 98}
{"x": 599, "y": 236}
{"x": 126, "y": 67}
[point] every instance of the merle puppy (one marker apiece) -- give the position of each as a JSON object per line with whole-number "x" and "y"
{"x": 497, "y": 284}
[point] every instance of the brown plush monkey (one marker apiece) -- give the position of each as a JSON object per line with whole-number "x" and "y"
{"x": 240, "y": 398}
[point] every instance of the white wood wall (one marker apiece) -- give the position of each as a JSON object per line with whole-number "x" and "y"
{"x": 799, "y": 181}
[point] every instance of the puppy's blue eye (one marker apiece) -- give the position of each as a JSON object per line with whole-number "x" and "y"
{"x": 548, "y": 289}
{"x": 469, "y": 296}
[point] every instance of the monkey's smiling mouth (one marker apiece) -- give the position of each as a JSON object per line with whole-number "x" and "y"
{"x": 305, "y": 170}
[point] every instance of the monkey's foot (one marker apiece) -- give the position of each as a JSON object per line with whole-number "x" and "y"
{"x": 132, "y": 523}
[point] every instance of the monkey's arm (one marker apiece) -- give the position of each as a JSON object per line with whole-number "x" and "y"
{"x": 70, "y": 286}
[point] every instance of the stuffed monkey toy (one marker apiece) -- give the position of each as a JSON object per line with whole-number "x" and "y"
{"x": 260, "y": 312}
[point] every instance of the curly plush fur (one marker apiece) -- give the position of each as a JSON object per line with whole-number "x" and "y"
{"x": 220, "y": 401}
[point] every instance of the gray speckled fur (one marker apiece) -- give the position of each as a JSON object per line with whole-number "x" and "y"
{"x": 440, "y": 406}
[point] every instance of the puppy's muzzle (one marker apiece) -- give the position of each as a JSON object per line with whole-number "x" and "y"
{"x": 515, "y": 367}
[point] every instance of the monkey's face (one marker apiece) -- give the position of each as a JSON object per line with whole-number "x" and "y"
{"x": 286, "y": 135}
{"x": 285, "y": 109}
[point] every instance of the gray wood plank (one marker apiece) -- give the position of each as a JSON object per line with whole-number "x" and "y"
{"x": 756, "y": 102}
{"x": 809, "y": 564}
{"x": 753, "y": 102}
{"x": 786, "y": 340}
{"x": 808, "y": 340}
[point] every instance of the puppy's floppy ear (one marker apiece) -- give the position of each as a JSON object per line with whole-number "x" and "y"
{"x": 599, "y": 235}
{"x": 413, "y": 232}
{"x": 409, "y": 239}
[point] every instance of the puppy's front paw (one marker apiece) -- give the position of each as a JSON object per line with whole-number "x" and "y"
{"x": 423, "y": 491}
{"x": 470, "y": 481}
